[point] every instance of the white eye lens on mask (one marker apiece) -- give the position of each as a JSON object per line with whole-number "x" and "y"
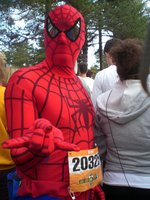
{"x": 52, "y": 30}
{"x": 72, "y": 33}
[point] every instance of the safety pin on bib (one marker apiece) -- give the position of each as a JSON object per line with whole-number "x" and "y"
{"x": 71, "y": 194}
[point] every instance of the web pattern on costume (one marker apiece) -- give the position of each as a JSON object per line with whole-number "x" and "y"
{"x": 70, "y": 110}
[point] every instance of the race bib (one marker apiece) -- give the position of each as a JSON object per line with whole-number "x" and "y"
{"x": 84, "y": 169}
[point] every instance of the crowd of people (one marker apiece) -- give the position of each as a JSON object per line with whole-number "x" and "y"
{"x": 68, "y": 136}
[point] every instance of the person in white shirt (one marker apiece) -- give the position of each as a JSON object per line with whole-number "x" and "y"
{"x": 87, "y": 81}
{"x": 105, "y": 79}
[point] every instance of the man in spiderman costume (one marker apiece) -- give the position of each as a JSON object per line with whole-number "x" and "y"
{"x": 50, "y": 113}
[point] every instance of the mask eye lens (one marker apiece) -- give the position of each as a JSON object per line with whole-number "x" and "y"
{"x": 73, "y": 33}
{"x": 51, "y": 29}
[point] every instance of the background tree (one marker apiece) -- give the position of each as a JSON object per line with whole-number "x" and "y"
{"x": 123, "y": 19}
{"x": 126, "y": 18}
{"x": 23, "y": 30}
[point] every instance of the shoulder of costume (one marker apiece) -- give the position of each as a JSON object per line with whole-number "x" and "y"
{"x": 27, "y": 76}
{"x": 30, "y": 70}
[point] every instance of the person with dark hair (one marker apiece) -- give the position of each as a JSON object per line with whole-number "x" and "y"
{"x": 109, "y": 44}
{"x": 105, "y": 79}
{"x": 86, "y": 81}
{"x": 6, "y": 162}
{"x": 122, "y": 128}
{"x": 89, "y": 73}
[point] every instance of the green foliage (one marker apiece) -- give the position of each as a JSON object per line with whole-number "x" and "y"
{"x": 17, "y": 40}
{"x": 94, "y": 70}
{"x": 126, "y": 18}
{"x": 123, "y": 19}
{"x": 24, "y": 55}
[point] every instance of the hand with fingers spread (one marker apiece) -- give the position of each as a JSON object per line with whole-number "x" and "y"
{"x": 42, "y": 137}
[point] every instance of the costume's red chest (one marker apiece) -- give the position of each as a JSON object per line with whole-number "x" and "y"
{"x": 62, "y": 101}
{"x": 66, "y": 104}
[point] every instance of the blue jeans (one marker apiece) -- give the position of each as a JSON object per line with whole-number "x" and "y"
{"x": 13, "y": 186}
{"x": 43, "y": 197}
{"x": 4, "y": 195}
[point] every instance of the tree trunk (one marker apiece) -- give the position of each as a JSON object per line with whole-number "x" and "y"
{"x": 83, "y": 57}
{"x": 47, "y": 6}
{"x": 100, "y": 49}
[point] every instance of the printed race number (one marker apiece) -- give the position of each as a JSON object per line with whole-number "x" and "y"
{"x": 84, "y": 163}
{"x": 84, "y": 169}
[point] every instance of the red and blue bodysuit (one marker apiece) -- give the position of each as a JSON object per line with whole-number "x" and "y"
{"x": 49, "y": 111}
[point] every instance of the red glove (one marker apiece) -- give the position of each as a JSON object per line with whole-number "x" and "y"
{"x": 42, "y": 124}
{"x": 97, "y": 193}
{"x": 16, "y": 142}
{"x": 42, "y": 137}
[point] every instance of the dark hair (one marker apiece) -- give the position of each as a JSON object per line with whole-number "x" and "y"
{"x": 82, "y": 68}
{"x": 111, "y": 43}
{"x": 89, "y": 73}
{"x": 127, "y": 56}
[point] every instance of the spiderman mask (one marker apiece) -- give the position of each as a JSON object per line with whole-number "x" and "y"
{"x": 64, "y": 37}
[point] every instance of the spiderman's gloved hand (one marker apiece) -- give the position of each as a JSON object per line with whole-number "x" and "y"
{"x": 49, "y": 139}
{"x": 25, "y": 140}
{"x": 34, "y": 130}
{"x": 97, "y": 193}
{"x": 16, "y": 142}
{"x": 42, "y": 138}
